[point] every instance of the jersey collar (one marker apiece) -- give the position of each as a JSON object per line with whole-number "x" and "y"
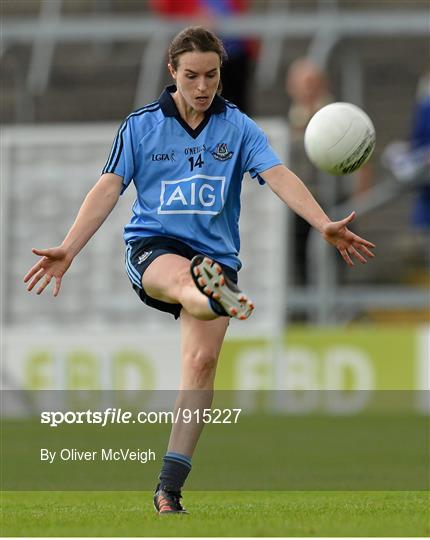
{"x": 168, "y": 106}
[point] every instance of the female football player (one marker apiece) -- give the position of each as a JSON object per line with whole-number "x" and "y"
{"x": 186, "y": 154}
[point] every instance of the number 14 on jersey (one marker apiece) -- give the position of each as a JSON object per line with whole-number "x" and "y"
{"x": 198, "y": 162}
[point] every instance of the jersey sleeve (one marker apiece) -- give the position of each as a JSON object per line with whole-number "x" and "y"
{"x": 122, "y": 155}
{"x": 258, "y": 155}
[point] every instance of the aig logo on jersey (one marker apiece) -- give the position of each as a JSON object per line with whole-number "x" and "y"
{"x": 199, "y": 194}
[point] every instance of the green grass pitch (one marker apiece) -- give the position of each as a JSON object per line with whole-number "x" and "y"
{"x": 232, "y": 513}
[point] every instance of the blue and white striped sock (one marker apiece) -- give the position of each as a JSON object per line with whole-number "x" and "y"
{"x": 179, "y": 457}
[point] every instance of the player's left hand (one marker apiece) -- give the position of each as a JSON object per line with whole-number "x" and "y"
{"x": 349, "y": 244}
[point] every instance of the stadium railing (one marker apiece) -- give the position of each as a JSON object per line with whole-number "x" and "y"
{"x": 326, "y": 27}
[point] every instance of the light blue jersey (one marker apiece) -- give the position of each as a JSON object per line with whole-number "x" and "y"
{"x": 188, "y": 181}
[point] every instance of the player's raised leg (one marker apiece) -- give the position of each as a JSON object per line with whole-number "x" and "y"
{"x": 168, "y": 279}
{"x": 200, "y": 347}
{"x": 224, "y": 295}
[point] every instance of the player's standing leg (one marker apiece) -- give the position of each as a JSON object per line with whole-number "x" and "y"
{"x": 201, "y": 343}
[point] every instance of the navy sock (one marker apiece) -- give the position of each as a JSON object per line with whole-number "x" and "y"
{"x": 176, "y": 467}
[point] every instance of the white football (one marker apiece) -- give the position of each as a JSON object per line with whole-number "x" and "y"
{"x": 339, "y": 138}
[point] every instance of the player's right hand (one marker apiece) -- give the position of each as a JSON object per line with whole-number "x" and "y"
{"x": 53, "y": 264}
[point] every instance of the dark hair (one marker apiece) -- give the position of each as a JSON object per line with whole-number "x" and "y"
{"x": 195, "y": 38}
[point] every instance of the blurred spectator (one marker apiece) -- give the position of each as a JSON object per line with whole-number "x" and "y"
{"x": 420, "y": 142}
{"x": 308, "y": 88}
{"x": 241, "y": 52}
{"x": 409, "y": 162}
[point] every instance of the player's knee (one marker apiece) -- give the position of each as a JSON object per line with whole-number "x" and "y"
{"x": 200, "y": 367}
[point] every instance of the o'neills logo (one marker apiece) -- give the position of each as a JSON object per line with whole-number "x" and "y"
{"x": 221, "y": 152}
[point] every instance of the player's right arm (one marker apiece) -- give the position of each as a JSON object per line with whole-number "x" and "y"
{"x": 96, "y": 207}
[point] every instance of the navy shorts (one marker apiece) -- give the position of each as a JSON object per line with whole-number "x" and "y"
{"x": 141, "y": 252}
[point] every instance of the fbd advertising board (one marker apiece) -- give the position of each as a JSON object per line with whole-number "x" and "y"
{"x": 360, "y": 358}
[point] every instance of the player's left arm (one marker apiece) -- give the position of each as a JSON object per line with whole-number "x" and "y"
{"x": 292, "y": 191}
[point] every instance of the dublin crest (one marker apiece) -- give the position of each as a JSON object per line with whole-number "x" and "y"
{"x": 221, "y": 152}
